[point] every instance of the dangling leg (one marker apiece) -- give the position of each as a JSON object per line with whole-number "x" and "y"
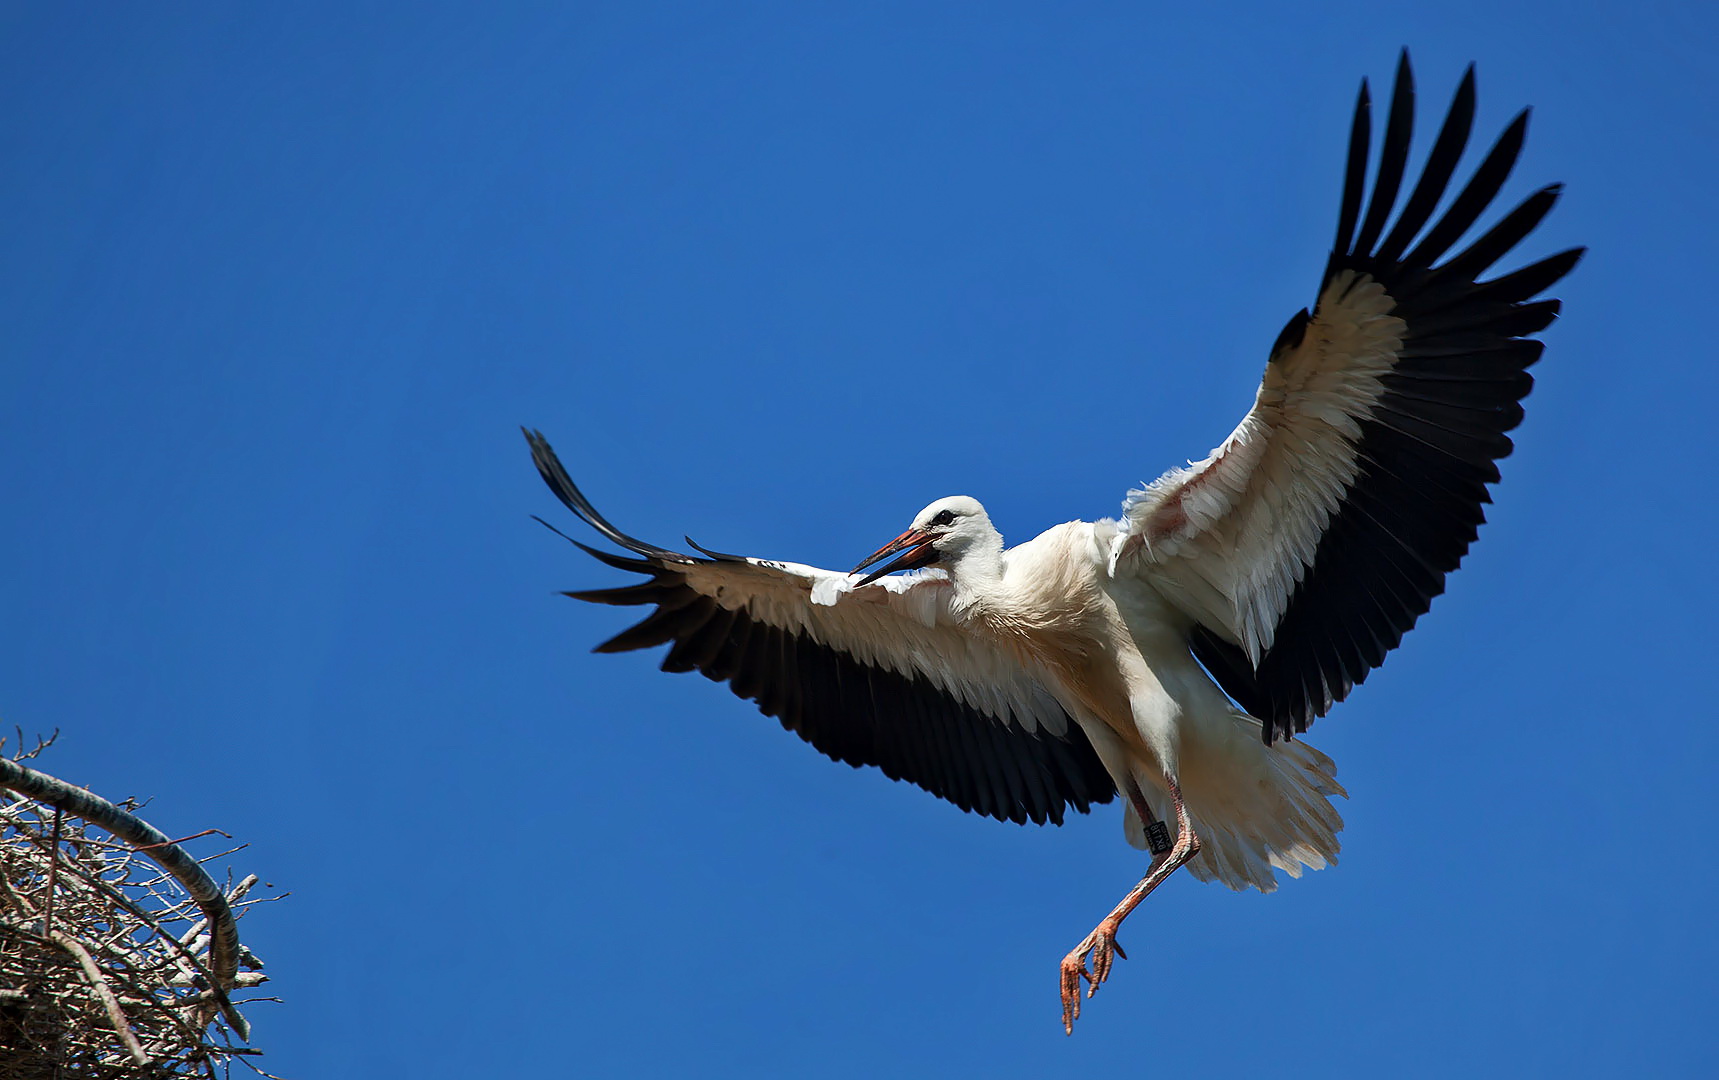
{"x": 1101, "y": 945}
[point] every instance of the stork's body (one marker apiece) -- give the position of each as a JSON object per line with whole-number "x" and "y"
{"x": 1115, "y": 654}
{"x": 1170, "y": 654}
{"x": 1113, "y": 651}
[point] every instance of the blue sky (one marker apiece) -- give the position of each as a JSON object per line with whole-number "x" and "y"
{"x": 281, "y": 282}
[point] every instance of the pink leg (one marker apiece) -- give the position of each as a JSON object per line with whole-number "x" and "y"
{"x": 1101, "y": 944}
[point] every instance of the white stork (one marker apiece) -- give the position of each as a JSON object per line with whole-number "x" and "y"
{"x": 1163, "y": 654}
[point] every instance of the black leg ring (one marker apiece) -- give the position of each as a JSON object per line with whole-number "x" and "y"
{"x": 1158, "y": 837}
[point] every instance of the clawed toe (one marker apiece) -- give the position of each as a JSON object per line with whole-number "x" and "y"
{"x": 1072, "y": 972}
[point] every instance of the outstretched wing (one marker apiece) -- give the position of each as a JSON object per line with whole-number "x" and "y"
{"x": 1310, "y": 541}
{"x": 879, "y": 675}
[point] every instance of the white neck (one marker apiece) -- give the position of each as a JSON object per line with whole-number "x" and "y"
{"x": 976, "y": 572}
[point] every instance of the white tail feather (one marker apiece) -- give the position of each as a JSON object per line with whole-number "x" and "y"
{"x": 1255, "y": 808}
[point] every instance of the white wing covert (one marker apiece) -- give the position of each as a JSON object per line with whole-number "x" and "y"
{"x": 1311, "y": 539}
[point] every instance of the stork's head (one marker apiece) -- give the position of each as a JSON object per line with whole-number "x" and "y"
{"x": 944, "y": 532}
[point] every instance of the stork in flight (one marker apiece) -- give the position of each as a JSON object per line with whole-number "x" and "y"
{"x": 1171, "y": 654}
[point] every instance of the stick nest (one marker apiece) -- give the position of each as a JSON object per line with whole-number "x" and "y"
{"x": 119, "y": 955}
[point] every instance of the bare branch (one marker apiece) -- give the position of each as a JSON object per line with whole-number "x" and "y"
{"x": 104, "y": 994}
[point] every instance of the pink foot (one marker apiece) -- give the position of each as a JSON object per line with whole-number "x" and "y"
{"x": 1101, "y": 947}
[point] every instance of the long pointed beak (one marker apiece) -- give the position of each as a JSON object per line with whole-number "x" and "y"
{"x": 919, "y": 553}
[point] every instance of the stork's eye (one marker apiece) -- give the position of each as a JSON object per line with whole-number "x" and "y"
{"x": 944, "y": 517}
